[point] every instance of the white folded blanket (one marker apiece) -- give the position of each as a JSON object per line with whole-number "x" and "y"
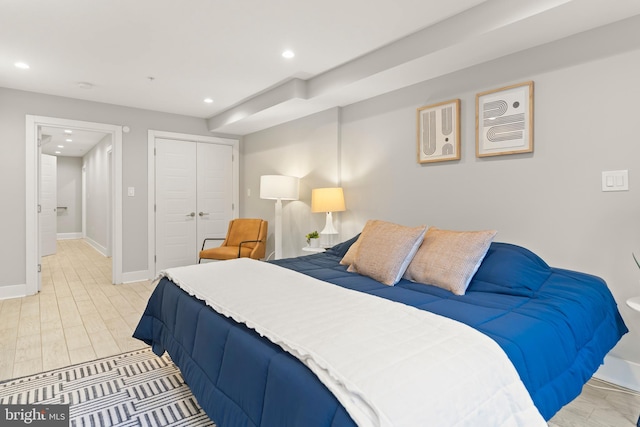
{"x": 387, "y": 363}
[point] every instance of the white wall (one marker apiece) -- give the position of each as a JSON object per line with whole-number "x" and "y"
{"x": 549, "y": 201}
{"x": 70, "y": 195}
{"x": 307, "y": 148}
{"x": 14, "y": 106}
{"x": 97, "y": 175}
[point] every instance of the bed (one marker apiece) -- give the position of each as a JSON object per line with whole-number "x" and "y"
{"x": 554, "y": 325}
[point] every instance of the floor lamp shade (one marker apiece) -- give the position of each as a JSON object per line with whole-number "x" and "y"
{"x": 279, "y": 188}
{"x": 328, "y": 200}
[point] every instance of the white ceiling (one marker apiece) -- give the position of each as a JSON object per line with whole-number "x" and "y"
{"x": 168, "y": 56}
{"x": 68, "y": 142}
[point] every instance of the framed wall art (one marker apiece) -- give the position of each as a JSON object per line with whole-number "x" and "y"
{"x": 438, "y": 138}
{"x": 504, "y": 120}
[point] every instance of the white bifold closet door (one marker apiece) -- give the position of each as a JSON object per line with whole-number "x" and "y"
{"x": 194, "y": 198}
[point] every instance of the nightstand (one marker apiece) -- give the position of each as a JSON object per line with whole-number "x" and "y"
{"x": 634, "y": 303}
{"x": 315, "y": 250}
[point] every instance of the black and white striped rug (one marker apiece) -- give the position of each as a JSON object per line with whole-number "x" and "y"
{"x": 131, "y": 389}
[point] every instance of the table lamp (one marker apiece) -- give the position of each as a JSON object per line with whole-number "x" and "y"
{"x": 279, "y": 188}
{"x": 327, "y": 200}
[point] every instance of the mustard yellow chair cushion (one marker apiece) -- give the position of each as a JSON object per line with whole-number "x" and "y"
{"x": 246, "y": 238}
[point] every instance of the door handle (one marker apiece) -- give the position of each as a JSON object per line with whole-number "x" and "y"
{"x": 192, "y": 214}
{"x": 203, "y": 213}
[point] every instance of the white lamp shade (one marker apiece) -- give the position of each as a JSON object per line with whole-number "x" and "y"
{"x": 327, "y": 200}
{"x": 279, "y": 187}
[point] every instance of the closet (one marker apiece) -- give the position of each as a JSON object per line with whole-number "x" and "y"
{"x": 193, "y": 198}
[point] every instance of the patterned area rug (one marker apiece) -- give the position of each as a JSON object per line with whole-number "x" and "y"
{"x": 131, "y": 389}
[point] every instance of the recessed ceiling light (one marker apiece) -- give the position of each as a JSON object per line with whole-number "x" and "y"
{"x": 60, "y": 146}
{"x": 208, "y": 100}
{"x": 85, "y": 85}
{"x": 68, "y": 131}
{"x": 69, "y": 140}
{"x": 57, "y": 152}
{"x": 22, "y": 65}
{"x": 288, "y": 54}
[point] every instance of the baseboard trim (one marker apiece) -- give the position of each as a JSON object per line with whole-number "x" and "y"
{"x": 136, "y": 276}
{"x": 621, "y": 372}
{"x": 69, "y": 236}
{"x": 13, "y": 291}
{"x": 97, "y": 246}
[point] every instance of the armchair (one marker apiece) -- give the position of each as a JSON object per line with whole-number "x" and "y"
{"x": 246, "y": 238}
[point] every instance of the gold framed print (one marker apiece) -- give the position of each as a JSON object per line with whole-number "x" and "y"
{"x": 504, "y": 120}
{"x": 438, "y": 138}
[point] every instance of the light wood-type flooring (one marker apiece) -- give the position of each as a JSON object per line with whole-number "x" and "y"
{"x": 80, "y": 316}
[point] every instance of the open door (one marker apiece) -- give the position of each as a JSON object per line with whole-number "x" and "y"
{"x": 48, "y": 205}
{"x": 33, "y": 209}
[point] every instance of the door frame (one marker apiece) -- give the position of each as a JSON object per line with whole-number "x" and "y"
{"x": 151, "y": 181}
{"x": 33, "y": 261}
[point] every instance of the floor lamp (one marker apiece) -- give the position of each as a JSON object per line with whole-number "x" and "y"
{"x": 328, "y": 200}
{"x": 279, "y": 188}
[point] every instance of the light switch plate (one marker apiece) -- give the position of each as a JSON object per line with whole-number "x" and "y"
{"x": 131, "y": 191}
{"x": 615, "y": 180}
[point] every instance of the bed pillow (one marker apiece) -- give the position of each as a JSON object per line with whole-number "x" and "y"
{"x": 342, "y": 248}
{"x": 510, "y": 269}
{"x": 449, "y": 259}
{"x": 350, "y": 255}
{"x": 384, "y": 250}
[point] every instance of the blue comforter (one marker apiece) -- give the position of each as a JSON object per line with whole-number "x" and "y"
{"x": 555, "y": 325}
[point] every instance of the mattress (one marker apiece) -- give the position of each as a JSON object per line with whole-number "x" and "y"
{"x": 383, "y": 362}
{"x": 555, "y": 325}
